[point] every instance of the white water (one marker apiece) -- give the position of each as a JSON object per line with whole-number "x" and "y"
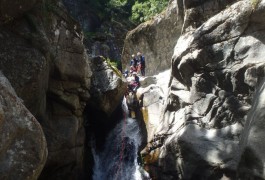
{"x": 118, "y": 160}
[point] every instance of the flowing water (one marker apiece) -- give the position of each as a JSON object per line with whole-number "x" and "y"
{"x": 118, "y": 160}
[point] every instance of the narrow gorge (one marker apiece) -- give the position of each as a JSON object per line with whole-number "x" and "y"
{"x": 65, "y": 109}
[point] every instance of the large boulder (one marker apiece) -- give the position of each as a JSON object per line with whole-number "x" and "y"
{"x": 152, "y": 94}
{"x": 23, "y": 148}
{"x": 108, "y": 86}
{"x": 155, "y": 39}
{"x": 216, "y": 68}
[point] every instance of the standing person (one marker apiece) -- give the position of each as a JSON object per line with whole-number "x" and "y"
{"x": 141, "y": 60}
{"x": 134, "y": 61}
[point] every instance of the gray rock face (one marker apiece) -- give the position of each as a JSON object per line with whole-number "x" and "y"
{"x": 23, "y": 148}
{"x": 155, "y": 39}
{"x": 216, "y": 68}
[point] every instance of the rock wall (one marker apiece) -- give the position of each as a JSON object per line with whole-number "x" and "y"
{"x": 43, "y": 56}
{"x": 216, "y": 68}
{"x": 155, "y": 39}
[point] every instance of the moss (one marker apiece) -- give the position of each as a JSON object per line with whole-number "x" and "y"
{"x": 111, "y": 65}
{"x": 255, "y": 3}
{"x": 6, "y": 19}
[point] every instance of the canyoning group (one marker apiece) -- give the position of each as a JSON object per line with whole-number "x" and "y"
{"x": 137, "y": 68}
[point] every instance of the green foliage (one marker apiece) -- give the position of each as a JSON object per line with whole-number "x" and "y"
{"x": 137, "y": 11}
{"x": 145, "y": 10}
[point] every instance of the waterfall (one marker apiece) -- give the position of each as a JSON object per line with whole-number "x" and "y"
{"x": 118, "y": 160}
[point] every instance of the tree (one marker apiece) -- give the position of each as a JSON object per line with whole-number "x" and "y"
{"x": 145, "y": 9}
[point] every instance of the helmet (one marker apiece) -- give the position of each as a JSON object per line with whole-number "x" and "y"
{"x": 133, "y": 55}
{"x": 138, "y": 54}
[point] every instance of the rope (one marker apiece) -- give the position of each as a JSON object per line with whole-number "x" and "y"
{"x": 122, "y": 146}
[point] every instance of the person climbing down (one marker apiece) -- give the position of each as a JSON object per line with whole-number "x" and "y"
{"x": 141, "y": 60}
{"x": 134, "y": 62}
{"x": 135, "y": 83}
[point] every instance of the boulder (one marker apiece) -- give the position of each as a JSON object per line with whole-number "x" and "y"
{"x": 152, "y": 98}
{"x": 23, "y": 148}
{"x": 108, "y": 85}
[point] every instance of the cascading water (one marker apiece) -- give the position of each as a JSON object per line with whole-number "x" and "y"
{"x": 118, "y": 160}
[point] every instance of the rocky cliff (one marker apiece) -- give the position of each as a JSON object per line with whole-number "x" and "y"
{"x": 43, "y": 56}
{"x": 155, "y": 39}
{"x": 212, "y": 121}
